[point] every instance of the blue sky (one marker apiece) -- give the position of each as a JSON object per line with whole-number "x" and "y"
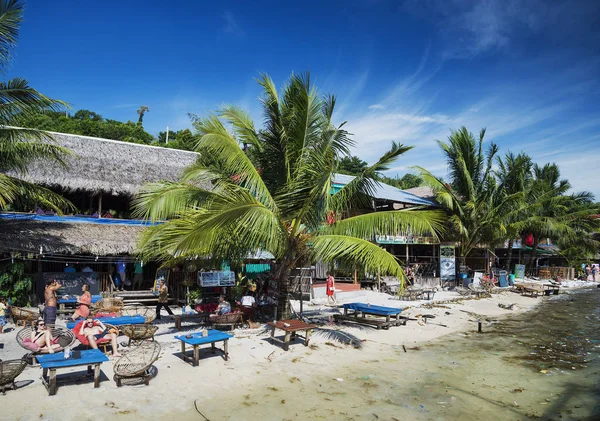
{"x": 409, "y": 71}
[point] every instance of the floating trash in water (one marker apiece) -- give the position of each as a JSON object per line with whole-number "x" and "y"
{"x": 339, "y": 379}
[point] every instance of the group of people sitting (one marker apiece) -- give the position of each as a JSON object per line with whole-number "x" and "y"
{"x": 41, "y": 339}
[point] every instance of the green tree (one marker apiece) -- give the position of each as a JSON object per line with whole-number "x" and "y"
{"x": 566, "y": 219}
{"x": 19, "y": 147}
{"x": 352, "y": 165}
{"x": 141, "y": 111}
{"x": 475, "y": 211}
{"x": 515, "y": 180}
{"x": 15, "y": 285}
{"x": 281, "y": 202}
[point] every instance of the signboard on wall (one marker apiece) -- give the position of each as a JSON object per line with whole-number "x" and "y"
{"x": 216, "y": 279}
{"x": 71, "y": 282}
{"x": 520, "y": 271}
{"x": 447, "y": 263}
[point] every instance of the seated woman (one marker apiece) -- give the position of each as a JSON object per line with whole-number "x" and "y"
{"x": 41, "y": 339}
{"x": 94, "y": 330}
{"x": 223, "y": 308}
{"x": 84, "y": 301}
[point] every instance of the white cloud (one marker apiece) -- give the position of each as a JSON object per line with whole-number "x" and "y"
{"x": 231, "y": 25}
{"x": 377, "y": 107}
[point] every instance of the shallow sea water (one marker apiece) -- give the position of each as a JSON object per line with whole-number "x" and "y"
{"x": 543, "y": 364}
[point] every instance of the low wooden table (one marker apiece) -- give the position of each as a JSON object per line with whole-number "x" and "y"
{"x": 291, "y": 329}
{"x": 551, "y": 289}
{"x": 362, "y": 310}
{"x": 180, "y": 317}
{"x": 196, "y": 339}
{"x": 52, "y": 362}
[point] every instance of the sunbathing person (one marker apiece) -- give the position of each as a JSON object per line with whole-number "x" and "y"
{"x": 94, "y": 330}
{"x": 41, "y": 339}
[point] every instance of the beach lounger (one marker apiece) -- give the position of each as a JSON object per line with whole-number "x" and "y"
{"x": 360, "y": 311}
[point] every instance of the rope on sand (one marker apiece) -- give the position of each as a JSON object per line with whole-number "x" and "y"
{"x": 196, "y": 406}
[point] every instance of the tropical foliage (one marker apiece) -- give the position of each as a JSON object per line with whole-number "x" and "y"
{"x": 277, "y": 197}
{"x": 487, "y": 207}
{"x": 18, "y": 146}
{"x": 15, "y": 285}
{"x": 353, "y": 165}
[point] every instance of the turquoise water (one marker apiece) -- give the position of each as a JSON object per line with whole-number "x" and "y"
{"x": 539, "y": 365}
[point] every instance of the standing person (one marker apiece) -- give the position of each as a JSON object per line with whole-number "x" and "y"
{"x": 138, "y": 275}
{"x": 594, "y": 272}
{"x": 121, "y": 268}
{"x": 84, "y": 301}
{"x": 163, "y": 298}
{"x": 588, "y": 272}
{"x": 330, "y": 290}
{"x": 117, "y": 280}
{"x": 3, "y": 307}
{"x": 50, "y": 301}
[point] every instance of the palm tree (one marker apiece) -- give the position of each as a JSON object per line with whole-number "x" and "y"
{"x": 20, "y": 146}
{"x": 515, "y": 178}
{"x": 141, "y": 111}
{"x": 471, "y": 200}
{"x": 567, "y": 219}
{"x": 277, "y": 197}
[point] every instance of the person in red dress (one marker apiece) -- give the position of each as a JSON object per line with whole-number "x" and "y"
{"x": 330, "y": 290}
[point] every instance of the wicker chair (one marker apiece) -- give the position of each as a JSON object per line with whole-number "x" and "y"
{"x": 229, "y": 319}
{"x": 139, "y": 333}
{"x": 138, "y": 310}
{"x": 137, "y": 363}
{"x": 23, "y": 317}
{"x": 108, "y": 305}
{"x": 63, "y": 336}
{"x": 9, "y": 371}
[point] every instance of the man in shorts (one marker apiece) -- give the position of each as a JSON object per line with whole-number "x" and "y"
{"x": 50, "y": 302}
{"x": 94, "y": 330}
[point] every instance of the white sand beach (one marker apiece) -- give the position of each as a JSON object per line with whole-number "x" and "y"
{"x": 258, "y": 372}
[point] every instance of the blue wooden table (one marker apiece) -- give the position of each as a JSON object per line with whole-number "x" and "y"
{"x": 52, "y": 362}
{"x": 115, "y": 321}
{"x": 73, "y": 299}
{"x": 361, "y": 309}
{"x": 196, "y": 339}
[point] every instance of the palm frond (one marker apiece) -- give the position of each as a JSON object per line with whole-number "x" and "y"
{"x": 11, "y": 15}
{"x": 401, "y": 222}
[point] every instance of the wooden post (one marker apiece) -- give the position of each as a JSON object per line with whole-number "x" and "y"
{"x": 378, "y": 281}
{"x": 355, "y": 276}
{"x": 100, "y": 205}
{"x": 407, "y": 254}
{"x": 479, "y": 327}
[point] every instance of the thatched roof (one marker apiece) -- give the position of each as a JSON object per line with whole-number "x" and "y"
{"x": 425, "y": 192}
{"x": 68, "y": 238}
{"x": 109, "y": 166}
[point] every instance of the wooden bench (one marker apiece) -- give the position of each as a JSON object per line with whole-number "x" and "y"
{"x": 179, "y": 317}
{"x": 291, "y": 329}
{"x": 551, "y": 289}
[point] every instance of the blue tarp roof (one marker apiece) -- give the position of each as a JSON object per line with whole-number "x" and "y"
{"x": 74, "y": 219}
{"x": 384, "y": 191}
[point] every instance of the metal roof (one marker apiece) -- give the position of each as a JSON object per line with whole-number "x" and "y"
{"x": 385, "y": 192}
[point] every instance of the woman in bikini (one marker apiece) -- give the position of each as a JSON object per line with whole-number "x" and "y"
{"x": 96, "y": 330}
{"x": 42, "y": 337}
{"x": 84, "y": 301}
